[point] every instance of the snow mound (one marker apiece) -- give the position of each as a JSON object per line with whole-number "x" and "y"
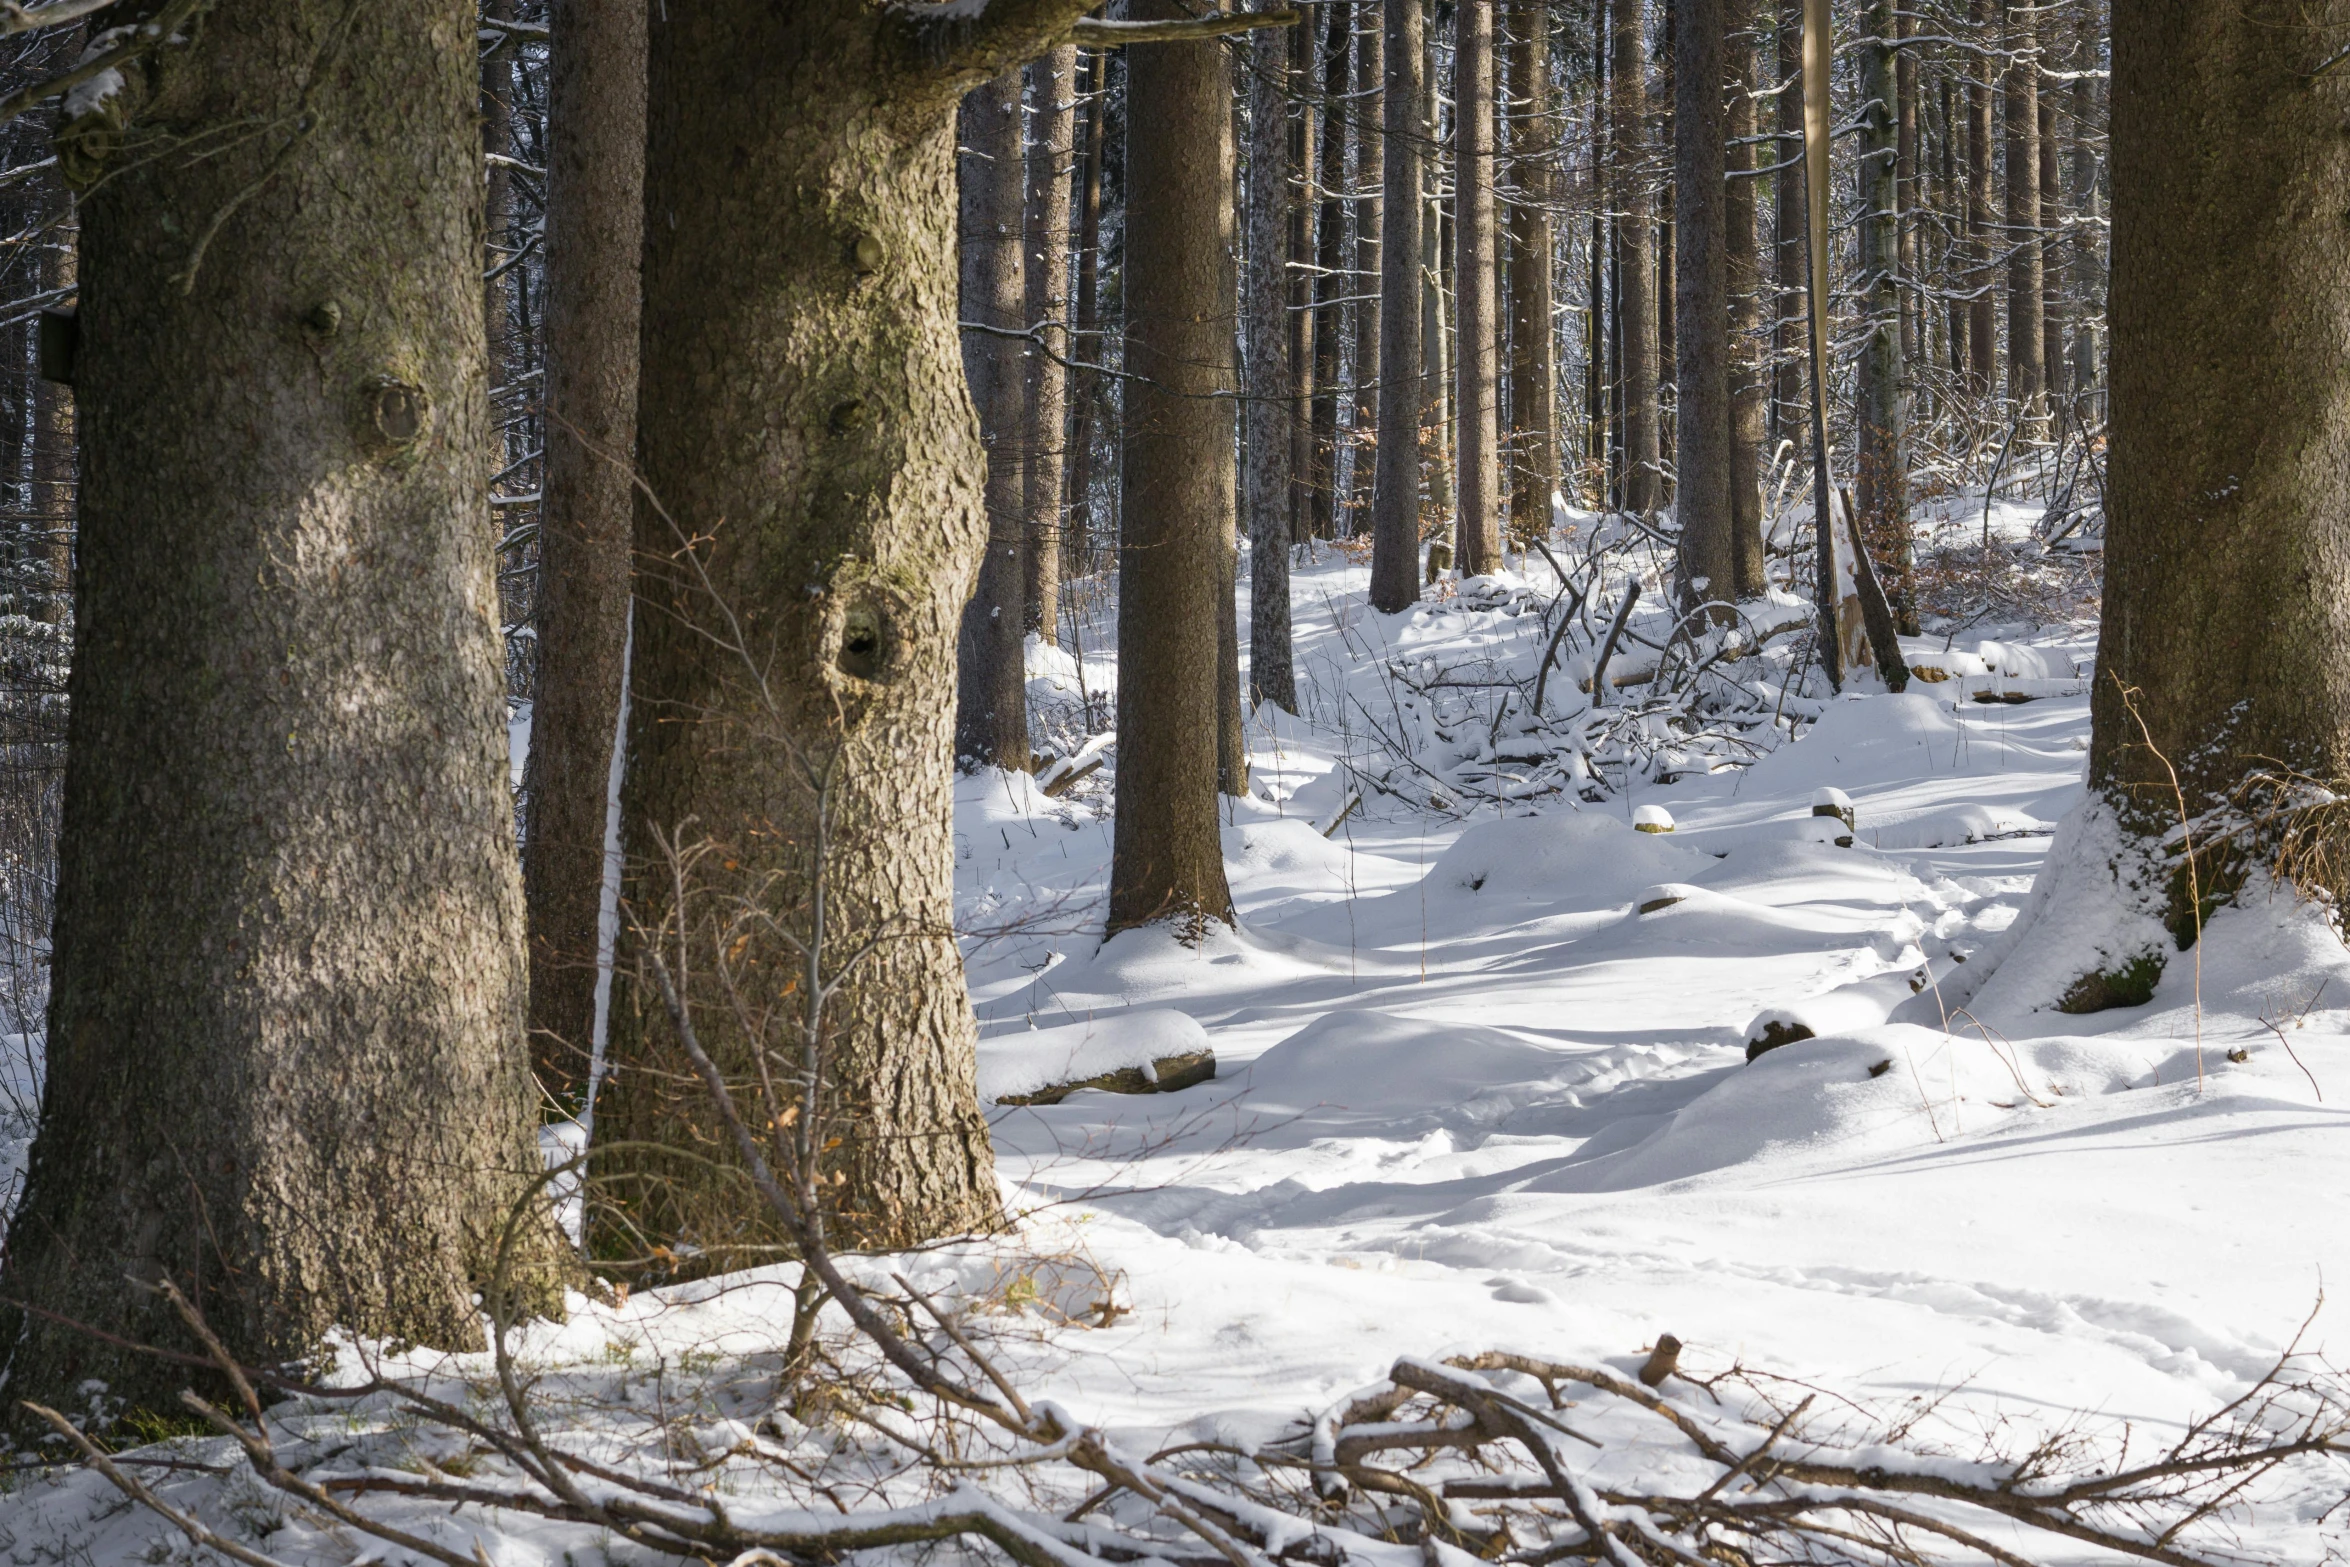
{"x": 1579, "y": 859}
{"x": 1371, "y": 1061}
{"x": 1956, "y": 824}
{"x": 1023, "y": 1063}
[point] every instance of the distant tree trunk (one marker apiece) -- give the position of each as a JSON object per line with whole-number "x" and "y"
{"x": 1952, "y": 194}
{"x": 1667, "y": 252}
{"x": 1167, "y": 859}
{"x": 1306, "y": 349}
{"x": 1435, "y": 319}
{"x": 1750, "y": 391}
{"x": 2027, "y": 384}
{"x": 1982, "y": 327}
{"x": 1086, "y": 347}
{"x": 2052, "y": 312}
{"x": 2227, "y": 606}
{"x": 1881, "y": 479}
{"x": 1478, "y": 374}
{"x": 1905, "y": 191}
{"x": 1330, "y": 281}
{"x": 1367, "y": 112}
{"x": 1395, "y": 490}
{"x": 1266, "y": 416}
{"x": 287, "y": 1068}
{"x": 1701, "y": 351}
{"x": 1636, "y": 315}
{"x": 1533, "y": 443}
{"x": 2088, "y": 276}
{"x": 1053, "y": 86}
{"x": 991, "y": 698}
{"x": 1789, "y": 418}
{"x": 55, "y": 470}
{"x": 595, "y": 233}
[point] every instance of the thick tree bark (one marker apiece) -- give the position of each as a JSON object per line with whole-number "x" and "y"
{"x": 595, "y": 234}
{"x": 1435, "y": 328}
{"x": 1533, "y": 442}
{"x": 1982, "y": 325}
{"x": 1367, "y": 111}
{"x": 1881, "y": 479}
{"x": 1084, "y": 387}
{"x": 1267, "y": 416}
{"x": 1701, "y": 353}
{"x": 991, "y": 696}
{"x": 1477, "y": 373}
{"x": 1749, "y": 389}
{"x": 804, "y": 555}
{"x": 1635, "y": 259}
{"x": 1053, "y": 91}
{"x": 1330, "y": 282}
{"x": 1908, "y": 172}
{"x": 1395, "y": 492}
{"x": 1167, "y": 860}
{"x": 2027, "y": 383}
{"x": 286, "y": 1064}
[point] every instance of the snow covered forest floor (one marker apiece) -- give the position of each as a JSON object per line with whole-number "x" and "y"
{"x": 1482, "y": 1082}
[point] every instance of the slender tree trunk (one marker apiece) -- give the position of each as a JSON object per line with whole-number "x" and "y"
{"x": 1533, "y": 443}
{"x": 595, "y": 234}
{"x": 1636, "y": 315}
{"x": 1953, "y": 215}
{"x": 1367, "y": 113}
{"x": 1305, "y": 345}
{"x": 1749, "y": 389}
{"x": 1788, "y": 397}
{"x": 1167, "y": 860}
{"x": 2027, "y": 384}
{"x": 1395, "y": 492}
{"x": 804, "y": 555}
{"x": 991, "y": 698}
{"x": 1053, "y": 87}
{"x": 1982, "y": 327}
{"x": 55, "y": 483}
{"x": 1881, "y": 479}
{"x": 1330, "y": 282}
{"x": 2052, "y": 312}
{"x": 1477, "y": 375}
{"x": 1905, "y": 192}
{"x": 1701, "y": 351}
{"x": 287, "y": 1068}
{"x": 1435, "y": 438}
{"x": 1086, "y": 349}
{"x": 1265, "y": 321}
{"x": 2088, "y": 276}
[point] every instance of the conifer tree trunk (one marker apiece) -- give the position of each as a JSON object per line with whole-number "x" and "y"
{"x": 1881, "y": 482}
{"x": 1749, "y": 390}
{"x": 1395, "y": 490}
{"x": 1265, "y": 321}
{"x": 1367, "y": 113}
{"x": 1789, "y": 420}
{"x": 2052, "y": 312}
{"x": 2088, "y": 275}
{"x": 1167, "y": 860}
{"x": 1053, "y": 88}
{"x": 1952, "y": 210}
{"x": 1701, "y": 352}
{"x": 1084, "y": 389}
{"x": 1477, "y": 376}
{"x": 1982, "y": 328}
{"x": 595, "y": 234}
{"x": 1533, "y": 443}
{"x": 1908, "y": 173}
{"x": 286, "y": 1068}
{"x": 1636, "y": 314}
{"x": 2027, "y": 385}
{"x": 1306, "y": 348}
{"x": 991, "y": 697}
{"x": 1330, "y": 282}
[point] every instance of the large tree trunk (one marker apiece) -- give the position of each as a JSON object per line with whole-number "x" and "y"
{"x": 2225, "y": 649}
{"x": 2052, "y": 327}
{"x": 1366, "y": 111}
{"x": 1789, "y": 419}
{"x": 1701, "y": 351}
{"x": 1395, "y": 490}
{"x": 1881, "y": 480}
{"x": 1952, "y": 208}
{"x": 1053, "y": 87}
{"x": 1306, "y": 350}
{"x": 286, "y": 1067}
{"x": 1267, "y": 415}
{"x": 1167, "y": 860}
{"x": 1533, "y": 443}
{"x": 1749, "y": 389}
{"x": 1636, "y": 314}
{"x": 2088, "y": 275}
{"x": 991, "y": 696}
{"x": 1435, "y": 331}
{"x": 595, "y": 232}
{"x": 2027, "y": 384}
{"x": 1086, "y": 349}
{"x": 1477, "y": 374}
{"x": 1330, "y": 282}
{"x": 1982, "y": 323}
{"x": 804, "y": 555}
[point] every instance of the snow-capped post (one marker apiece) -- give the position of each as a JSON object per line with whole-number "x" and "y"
{"x": 1652, "y": 818}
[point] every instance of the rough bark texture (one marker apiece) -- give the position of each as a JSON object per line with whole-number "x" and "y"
{"x": 803, "y": 419}
{"x": 1533, "y": 443}
{"x": 1636, "y": 317}
{"x": 1084, "y": 388}
{"x": 2227, "y": 589}
{"x": 1701, "y": 353}
{"x": 1367, "y": 113}
{"x": 1881, "y": 478}
{"x": 2027, "y": 383}
{"x": 1749, "y": 389}
{"x": 1305, "y": 346}
{"x": 54, "y": 477}
{"x": 1982, "y": 325}
{"x": 2052, "y": 312}
{"x": 1167, "y": 860}
{"x": 1268, "y": 414}
{"x": 2088, "y": 272}
{"x": 286, "y": 1063}
{"x": 1330, "y": 283}
{"x": 1053, "y": 94}
{"x": 991, "y": 693}
{"x": 1395, "y": 490}
{"x": 1789, "y": 414}
{"x": 595, "y": 233}
{"x": 1476, "y": 375}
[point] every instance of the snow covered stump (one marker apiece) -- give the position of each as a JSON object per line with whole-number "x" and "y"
{"x": 1652, "y": 818}
{"x": 1836, "y": 803}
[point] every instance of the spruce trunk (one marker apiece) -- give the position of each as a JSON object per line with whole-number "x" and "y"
{"x": 1749, "y": 388}
{"x": 1533, "y": 443}
{"x": 1477, "y": 371}
{"x": 2027, "y": 380}
{"x": 1395, "y": 489}
{"x": 1708, "y": 569}
{"x": 1053, "y": 89}
{"x": 1636, "y": 314}
{"x": 1881, "y": 480}
{"x": 1267, "y": 415}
